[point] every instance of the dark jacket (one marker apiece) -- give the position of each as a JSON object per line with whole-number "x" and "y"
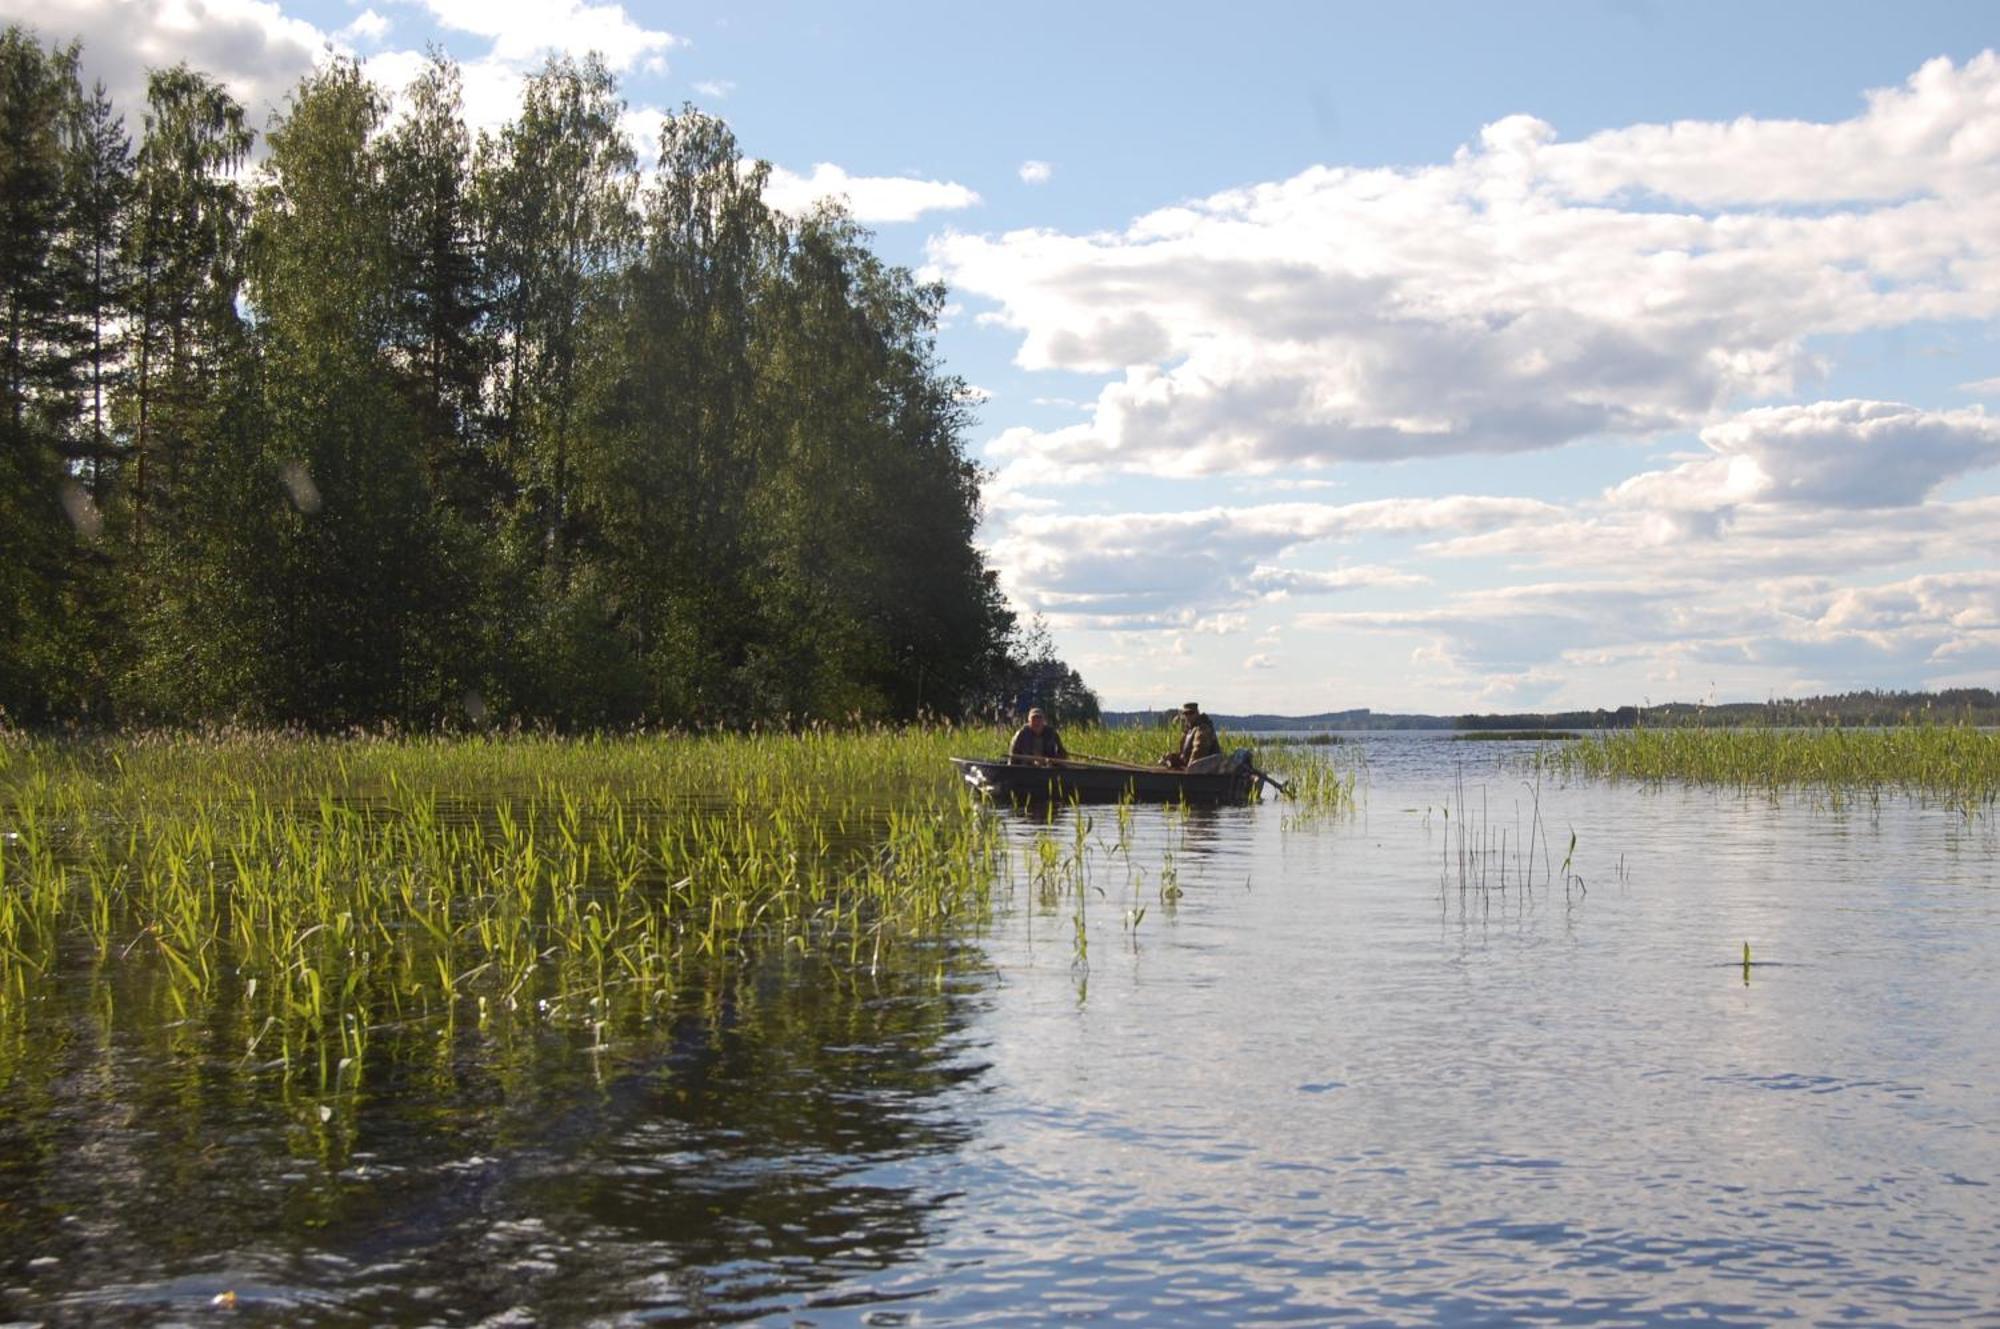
{"x": 1028, "y": 744}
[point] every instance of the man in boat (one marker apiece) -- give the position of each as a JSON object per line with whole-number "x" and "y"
{"x": 1037, "y": 740}
{"x": 1198, "y": 739}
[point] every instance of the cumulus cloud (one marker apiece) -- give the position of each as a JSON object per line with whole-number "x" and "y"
{"x": 253, "y": 47}
{"x": 1036, "y": 172}
{"x": 259, "y": 52}
{"x": 1525, "y": 294}
{"x": 715, "y": 88}
{"x": 871, "y": 198}
{"x": 1841, "y": 454}
{"x": 368, "y": 26}
{"x": 523, "y": 31}
{"x": 1167, "y": 570}
{"x": 1803, "y": 548}
{"x": 1276, "y": 581}
{"x": 1933, "y": 629}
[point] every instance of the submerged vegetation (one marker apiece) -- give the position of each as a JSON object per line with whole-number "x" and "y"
{"x": 1953, "y": 764}
{"x": 284, "y": 901}
{"x": 319, "y": 891}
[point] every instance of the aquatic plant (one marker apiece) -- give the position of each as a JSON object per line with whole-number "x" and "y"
{"x": 322, "y": 890}
{"x": 1951, "y": 764}
{"x": 307, "y": 895}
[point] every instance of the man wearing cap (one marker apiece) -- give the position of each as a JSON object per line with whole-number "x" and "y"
{"x": 1037, "y": 740}
{"x": 1198, "y": 739}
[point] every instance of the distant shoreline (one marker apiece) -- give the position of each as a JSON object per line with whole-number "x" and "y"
{"x": 1979, "y": 706}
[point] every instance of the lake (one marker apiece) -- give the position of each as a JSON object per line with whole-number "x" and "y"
{"x": 1394, "y": 1067}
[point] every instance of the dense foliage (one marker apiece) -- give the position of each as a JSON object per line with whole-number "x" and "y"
{"x": 404, "y": 424}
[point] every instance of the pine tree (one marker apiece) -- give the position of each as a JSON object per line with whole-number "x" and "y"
{"x": 40, "y": 506}
{"x": 99, "y": 179}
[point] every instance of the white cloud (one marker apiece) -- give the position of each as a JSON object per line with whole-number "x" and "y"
{"x": 1527, "y": 293}
{"x": 260, "y": 53}
{"x": 523, "y": 31}
{"x": 368, "y": 26}
{"x": 871, "y": 198}
{"x": 1036, "y": 172}
{"x": 1841, "y": 454}
{"x": 1174, "y": 570}
{"x": 1985, "y": 387}
{"x": 1261, "y": 660}
{"x": 641, "y": 126}
{"x": 252, "y": 47}
{"x": 1926, "y": 630}
{"x": 715, "y": 88}
{"x": 1278, "y": 581}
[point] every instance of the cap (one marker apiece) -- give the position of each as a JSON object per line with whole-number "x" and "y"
{"x": 1190, "y": 708}
{"x": 1034, "y": 711}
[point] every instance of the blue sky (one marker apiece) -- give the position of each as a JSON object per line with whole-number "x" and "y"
{"x": 1447, "y": 357}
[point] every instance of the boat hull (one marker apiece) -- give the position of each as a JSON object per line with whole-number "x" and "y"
{"x": 1085, "y": 783}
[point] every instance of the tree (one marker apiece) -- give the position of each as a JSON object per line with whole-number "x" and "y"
{"x": 430, "y": 421}
{"x": 185, "y": 243}
{"x": 36, "y": 369}
{"x": 355, "y": 553}
{"x": 557, "y": 200}
{"x": 673, "y": 446}
{"x": 555, "y": 193}
{"x": 867, "y": 504}
{"x": 98, "y": 155}
{"x": 1032, "y": 674}
{"x": 440, "y": 300}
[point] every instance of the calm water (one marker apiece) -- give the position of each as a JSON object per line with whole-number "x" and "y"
{"x": 1344, "y": 1076}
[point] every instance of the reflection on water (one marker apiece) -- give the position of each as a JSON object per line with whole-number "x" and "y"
{"x": 1226, "y": 1070}
{"x": 759, "y": 1147}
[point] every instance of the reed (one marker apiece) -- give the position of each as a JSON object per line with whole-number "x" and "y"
{"x": 1958, "y": 766}
{"x": 325, "y": 889}
{"x": 309, "y": 895}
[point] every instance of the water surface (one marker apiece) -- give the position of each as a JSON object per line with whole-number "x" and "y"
{"x": 1348, "y": 1071}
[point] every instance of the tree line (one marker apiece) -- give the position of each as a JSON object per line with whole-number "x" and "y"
{"x": 1947, "y": 706}
{"x": 403, "y": 423}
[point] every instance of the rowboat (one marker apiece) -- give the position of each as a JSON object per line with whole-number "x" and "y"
{"x": 1230, "y": 779}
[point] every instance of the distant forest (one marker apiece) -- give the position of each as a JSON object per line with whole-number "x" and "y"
{"x": 392, "y": 423}
{"x": 1975, "y": 706}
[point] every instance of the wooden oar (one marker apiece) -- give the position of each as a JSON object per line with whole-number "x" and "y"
{"x": 1084, "y": 758}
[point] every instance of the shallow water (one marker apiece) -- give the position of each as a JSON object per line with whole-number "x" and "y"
{"x": 1355, "y": 1071}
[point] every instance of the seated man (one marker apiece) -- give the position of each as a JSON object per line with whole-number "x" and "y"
{"x": 1198, "y": 739}
{"x": 1037, "y": 740}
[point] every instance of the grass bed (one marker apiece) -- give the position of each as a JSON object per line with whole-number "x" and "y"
{"x": 1956, "y": 765}
{"x": 310, "y": 892}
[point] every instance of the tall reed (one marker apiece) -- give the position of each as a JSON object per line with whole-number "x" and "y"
{"x": 1954, "y": 765}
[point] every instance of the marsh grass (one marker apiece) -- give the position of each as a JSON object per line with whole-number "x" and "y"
{"x": 1321, "y": 783}
{"x": 1489, "y": 855}
{"x": 323, "y": 891}
{"x": 1956, "y": 766}
{"x": 315, "y": 895}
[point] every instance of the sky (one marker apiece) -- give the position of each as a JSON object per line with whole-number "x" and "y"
{"x": 1442, "y": 357}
